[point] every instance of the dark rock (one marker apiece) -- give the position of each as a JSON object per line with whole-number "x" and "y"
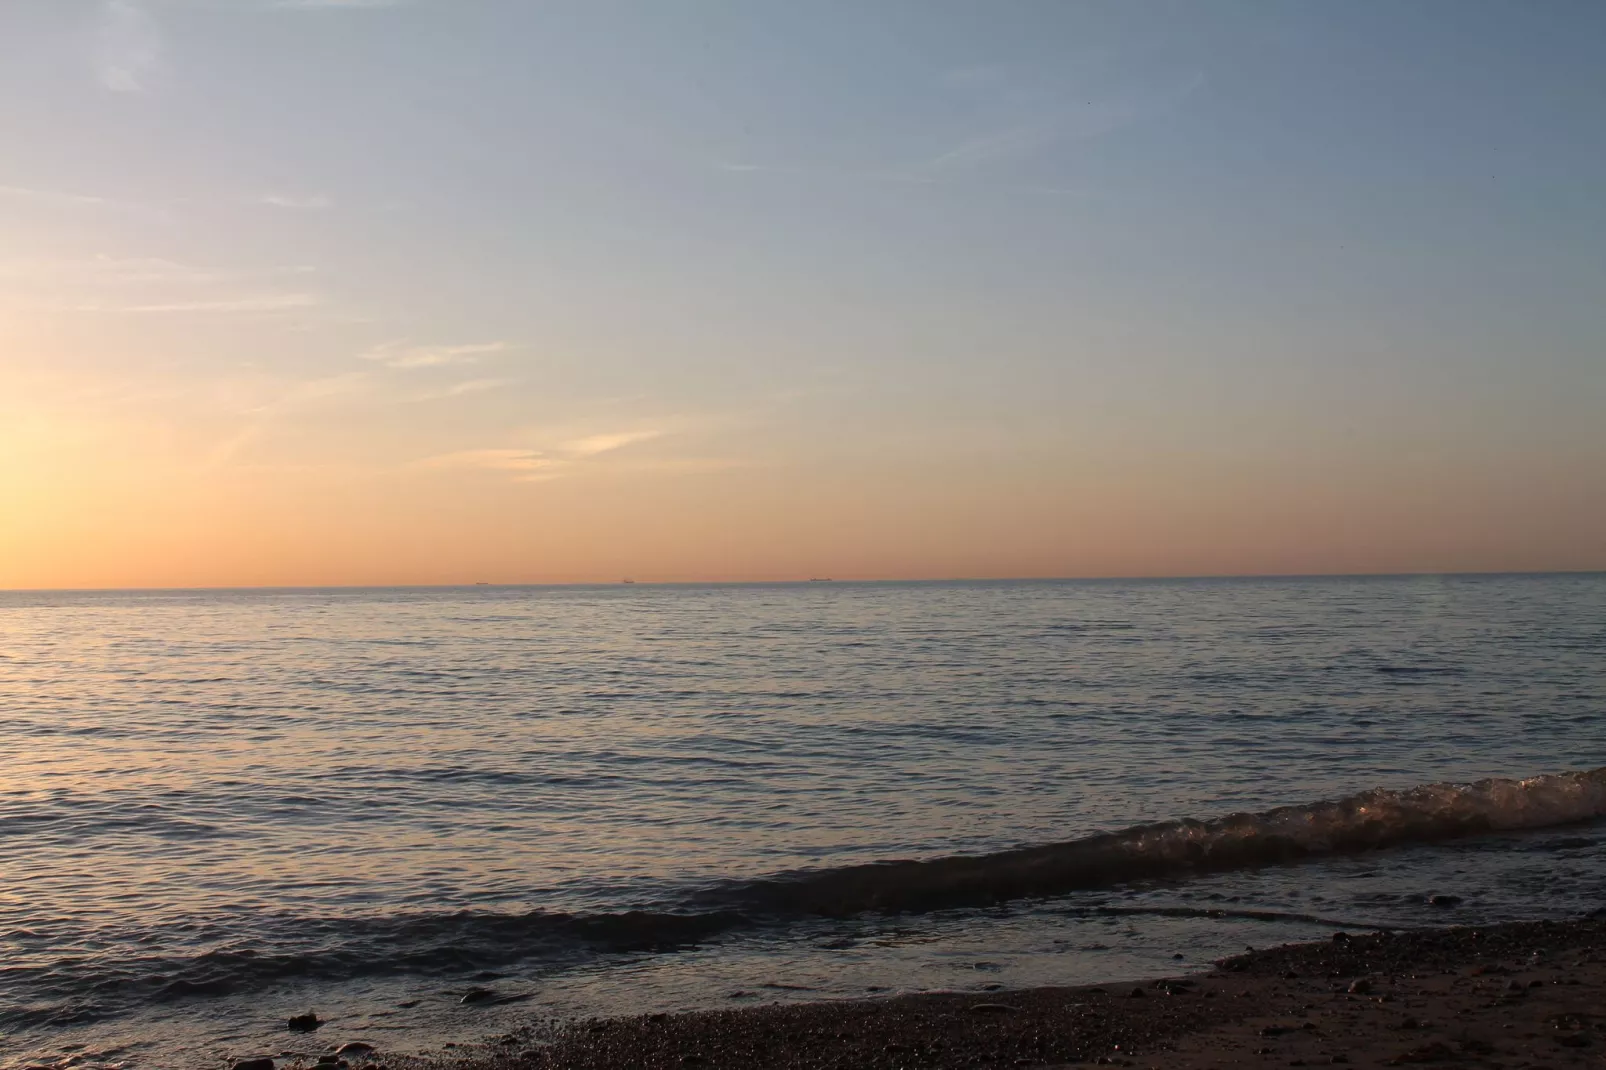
{"x": 477, "y": 995}
{"x": 304, "y": 1023}
{"x": 254, "y": 1064}
{"x": 1360, "y": 987}
{"x": 354, "y": 1047}
{"x": 1341, "y": 938}
{"x": 1136, "y": 993}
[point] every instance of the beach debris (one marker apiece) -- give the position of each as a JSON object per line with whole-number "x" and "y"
{"x": 305, "y": 1023}
{"x": 254, "y": 1064}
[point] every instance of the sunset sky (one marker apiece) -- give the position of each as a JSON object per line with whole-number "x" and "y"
{"x": 442, "y": 291}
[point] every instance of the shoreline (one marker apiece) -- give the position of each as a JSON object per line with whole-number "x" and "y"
{"x": 1516, "y": 994}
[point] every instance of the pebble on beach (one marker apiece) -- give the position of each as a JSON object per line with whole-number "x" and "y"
{"x": 305, "y": 1023}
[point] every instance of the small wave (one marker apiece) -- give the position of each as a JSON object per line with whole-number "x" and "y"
{"x": 1217, "y": 913}
{"x": 289, "y": 948}
{"x": 342, "y": 949}
{"x": 1083, "y": 626}
{"x": 1368, "y": 821}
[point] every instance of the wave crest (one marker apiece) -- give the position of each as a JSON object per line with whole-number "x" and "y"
{"x": 1367, "y": 821}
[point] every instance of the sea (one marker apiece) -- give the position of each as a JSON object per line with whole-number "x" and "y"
{"x": 429, "y": 815}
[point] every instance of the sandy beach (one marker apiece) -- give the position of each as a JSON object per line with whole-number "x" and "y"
{"x": 1518, "y": 995}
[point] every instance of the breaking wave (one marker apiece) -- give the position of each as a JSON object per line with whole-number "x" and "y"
{"x": 1368, "y": 821}
{"x": 77, "y": 989}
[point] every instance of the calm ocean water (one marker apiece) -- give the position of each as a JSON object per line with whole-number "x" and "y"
{"x": 218, "y": 809}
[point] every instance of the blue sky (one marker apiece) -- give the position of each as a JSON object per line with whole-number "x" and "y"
{"x": 1154, "y": 286}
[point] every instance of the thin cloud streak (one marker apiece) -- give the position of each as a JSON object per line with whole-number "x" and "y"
{"x": 473, "y": 386}
{"x": 313, "y": 203}
{"x": 401, "y": 355}
{"x": 595, "y": 444}
{"x": 533, "y": 466}
{"x": 106, "y": 270}
{"x": 255, "y": 303}
{"x": 25, "y": 193}
{"x": 529, "y": 466}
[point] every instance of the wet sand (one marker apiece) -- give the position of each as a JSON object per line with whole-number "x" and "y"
{"x": 1521, "y": 995}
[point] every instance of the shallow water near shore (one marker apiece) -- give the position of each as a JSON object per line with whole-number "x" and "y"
{"x": 222, "y": 808}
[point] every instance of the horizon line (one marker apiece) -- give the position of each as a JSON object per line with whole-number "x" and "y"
{"x": 630, "y": 582}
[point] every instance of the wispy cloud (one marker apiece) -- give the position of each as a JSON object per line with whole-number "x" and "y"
{"x": 403, "y": 355}
{"x": 297, "y": 396}
{"x": 473, "y": 386}
{"x": 539, "y": 465}
{"x": 25, "y": 193}
{"x": 527, "y": 466}
{"x": 129, "y": 47}
{"x": 106, "y": 270}
{"x": 595, "y": 444}
{"x": 312, "y": 203}
{"x": 253, "y": 303}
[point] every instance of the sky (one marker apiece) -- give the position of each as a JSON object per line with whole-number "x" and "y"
{"x": 303, "y": 292}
